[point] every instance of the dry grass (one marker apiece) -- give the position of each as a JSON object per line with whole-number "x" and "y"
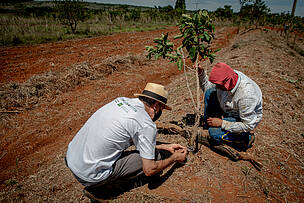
{"x": 15, "y": 97}
{"x": 18, "y": 30}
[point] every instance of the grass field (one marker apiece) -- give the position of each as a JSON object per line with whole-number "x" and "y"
{"x": 36, "y": 22}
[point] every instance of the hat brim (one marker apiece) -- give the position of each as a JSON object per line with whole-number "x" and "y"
{"x": 143, "y": 95}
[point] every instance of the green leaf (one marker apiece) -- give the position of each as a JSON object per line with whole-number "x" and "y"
{"x": 171, "y": 56}
{"x": 148, "y": 48}
{"x": 207, "y": 36}
{"x": 178, "y": 36}
{"x": 178, "y": 50}
{"x": 202, "y": 47}
{"x": 205, "y": 13}
{"x": 181, "y": 26}
{"x": 192, "y": 52}
{"x": 212, "y": 57}
{"x": 218, "y": 49}
{"x": 158, "y": 39}
{"x": 170, "y": 44}
{"x": 186, "y": 16}
{"x": 196, "y": 32}
{"x": 180, "y": 64}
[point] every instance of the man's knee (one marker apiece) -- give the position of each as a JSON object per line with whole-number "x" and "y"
{"x": 216, "y": 134}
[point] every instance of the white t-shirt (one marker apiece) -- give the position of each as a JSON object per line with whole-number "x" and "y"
{"x": 108, "y": 132}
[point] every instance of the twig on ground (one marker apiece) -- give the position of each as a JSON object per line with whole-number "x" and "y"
{"x": 246, "y": 196}
{"x": 9, "y": 111}
{"x": 3, "y": 154}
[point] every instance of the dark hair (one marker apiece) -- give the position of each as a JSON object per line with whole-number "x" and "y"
{"x": 148, "y": 101}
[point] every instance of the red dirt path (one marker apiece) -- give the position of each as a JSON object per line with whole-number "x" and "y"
{"x": 19, "y": 63}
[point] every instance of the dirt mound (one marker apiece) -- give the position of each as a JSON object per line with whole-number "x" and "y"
{"x": 33, "y": 142}
{"x": 18, "y": 96}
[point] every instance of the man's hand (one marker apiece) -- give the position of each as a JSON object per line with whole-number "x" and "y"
{"x": 214, "y": 122}
{"x": 180, "y": 155}
{"x": 151, "y": 167}
{"x": 174, "y": 147}
{"x": 170, "y": 147}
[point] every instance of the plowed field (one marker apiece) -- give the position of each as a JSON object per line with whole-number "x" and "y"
{"x": 48, "y": 91}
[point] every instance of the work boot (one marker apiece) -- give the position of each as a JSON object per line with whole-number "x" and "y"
{"x": 243, "y": 144}
{"x": 203, "y": 137}
{"x": 139, "y": 181}
{"x": 105, "y": 192}
{"x": 93, "y": 198}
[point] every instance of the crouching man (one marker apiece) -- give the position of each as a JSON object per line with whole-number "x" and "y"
{"x": 97, "y": 155}
{"x": 233, "y": 106}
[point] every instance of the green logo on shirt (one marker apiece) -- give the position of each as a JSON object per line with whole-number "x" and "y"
{"x": 122, "y": 103}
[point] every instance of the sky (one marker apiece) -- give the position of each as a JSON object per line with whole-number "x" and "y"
{"x": 276, "y": 6}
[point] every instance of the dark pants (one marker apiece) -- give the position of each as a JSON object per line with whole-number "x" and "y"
{"x": 213, "y": 109}
{"x": 125, "y": 169}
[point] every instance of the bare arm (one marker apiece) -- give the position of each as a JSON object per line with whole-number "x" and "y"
{"x": 170, "y": 147}
{"x": 152, "y": 167}
{"x": 203, "y": 79}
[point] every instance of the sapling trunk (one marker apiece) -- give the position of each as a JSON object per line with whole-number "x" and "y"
{"x": 193, "y": 143}
{"x": 186, "y": 77}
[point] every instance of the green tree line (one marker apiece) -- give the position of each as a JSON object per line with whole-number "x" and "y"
{"x": 36, "y": 22}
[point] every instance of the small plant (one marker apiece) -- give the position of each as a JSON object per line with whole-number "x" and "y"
{"x": 245, "y": 170}
{"x": 10, "y": 182}
{"x": 197, "y": 32}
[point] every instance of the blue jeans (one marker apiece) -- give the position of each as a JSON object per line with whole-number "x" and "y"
{"x": 212, "y": 109}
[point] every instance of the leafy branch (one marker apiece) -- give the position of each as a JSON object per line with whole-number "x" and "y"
{"x": 197, "y": 33}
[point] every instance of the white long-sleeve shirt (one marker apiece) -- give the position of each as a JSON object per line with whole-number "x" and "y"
{"x": 244, "y": 100}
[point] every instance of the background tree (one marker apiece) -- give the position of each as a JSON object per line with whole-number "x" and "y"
{"x": 254, "y": 11}
{"x": 71, "y": 12}
{"x": 180, "y": 6}
{"x": 296, "y": 27}
{"x": 224, "y": 13}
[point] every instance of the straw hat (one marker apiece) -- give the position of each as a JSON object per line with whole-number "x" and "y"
{"x": 156, "y": 92}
